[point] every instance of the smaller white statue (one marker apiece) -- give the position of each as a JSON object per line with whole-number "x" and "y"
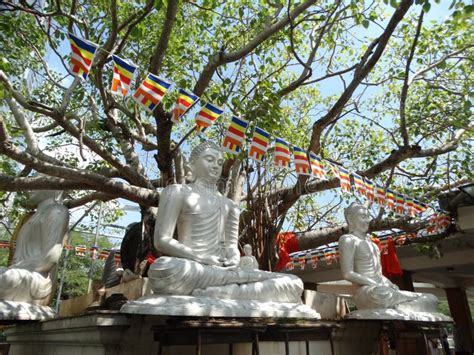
{"x": 361, "y": 265}
{"x": 248, "y": 262}
{"x": 38, "y": 249}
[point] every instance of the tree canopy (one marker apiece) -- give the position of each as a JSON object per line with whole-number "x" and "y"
{"x": 376, "y": 87}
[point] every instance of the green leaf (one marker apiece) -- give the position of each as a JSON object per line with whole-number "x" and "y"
{"x": 365, "y": 23}
{"x": 158, "y": 4}
{"x": 426, "y": 7}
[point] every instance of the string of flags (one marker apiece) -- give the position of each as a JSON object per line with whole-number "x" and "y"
{"x": 93, "y": 252}
{"x": 329, "y": 254}
{"x": 80, "y": 250}
{"x": 153, "y": 88}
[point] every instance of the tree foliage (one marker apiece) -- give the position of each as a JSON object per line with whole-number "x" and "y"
{"x": 373, "y": 86}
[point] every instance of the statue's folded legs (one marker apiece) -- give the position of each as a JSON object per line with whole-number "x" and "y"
{"x": 169, "y": 275}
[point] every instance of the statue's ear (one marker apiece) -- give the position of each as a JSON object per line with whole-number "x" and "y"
{"x": 188, "y": 171}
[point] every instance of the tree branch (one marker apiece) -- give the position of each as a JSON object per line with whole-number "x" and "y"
{"x": 221, "y": 58}
{"x": 404, "y": 93}
{"x": 160, "y": 49}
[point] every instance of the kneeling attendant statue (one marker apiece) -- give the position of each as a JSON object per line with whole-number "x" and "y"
{"x": 374, "y": 295}
{"x": 203, "y": 262}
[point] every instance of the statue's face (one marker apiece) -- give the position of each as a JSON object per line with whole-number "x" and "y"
{"x": 247, "y": 249}
{"x": 361, "y": 219}
{"x": 208, "y": 165}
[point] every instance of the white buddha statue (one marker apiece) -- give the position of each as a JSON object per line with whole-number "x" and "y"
{"x": 361, "y": 265}
{"x": 204, "y": 259}
{"x": 248, "y": 261}
{"x": 38, "y": 249}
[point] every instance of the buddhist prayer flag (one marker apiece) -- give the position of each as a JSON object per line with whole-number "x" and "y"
{"x": 282, "y": 153}
{"x": 443, "y": 221}
{"x": 380, "y": 194}
{"x": 302, "y": 262}
{"x": 399, "y": 203}
{"x": 439, "y": 222}
{"x": 300, "y": 159}
{"x": 206, "y": 117}
{"x": 410, "y": 207}
{"x": 184, "y": 101}
{"x": 344, "y": 179}
{"x": 390, "y": 199}
{"x": 259, "y": 144}
{"x": 81, "y": 250}
{"x": 290, "y": 265}
{"x": 117, "y": 258}
{"x": 103, "y": 255}
{"x": 419, "y": 207}
{"x": 359, "y": 184}
{"x": 123, "y": 74}
{"x": 235, "y": 135}
{"x": 82, "y": 56}
{"x": 369, "y": 188}
{"x": 314, "y": 261}
{"x": 329, "y": 256}
{"x": 151, "y": 92}
{"x": 317, "y": 168}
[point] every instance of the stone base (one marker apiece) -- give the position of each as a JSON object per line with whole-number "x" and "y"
{"x": 395, "y": 314}
{"x": 214, "y": 307}
{"x": 12, "y": 311}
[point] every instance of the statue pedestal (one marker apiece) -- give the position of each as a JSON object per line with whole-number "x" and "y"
{"x": 11, "y": 311}
{"x": 396, "y": 314}
{"x": 214, "y": 307}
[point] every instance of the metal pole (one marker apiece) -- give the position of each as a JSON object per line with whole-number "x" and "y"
{"x": 99, "y": 220}
{"x": 66, "y": 256}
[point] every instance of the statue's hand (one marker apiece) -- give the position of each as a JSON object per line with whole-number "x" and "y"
{"x": 232, "y": 262}
{"x": 210, "y": 260}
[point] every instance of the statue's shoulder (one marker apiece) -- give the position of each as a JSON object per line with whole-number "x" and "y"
{"x": 348, "y": 239}
{"x": 176, "y": 190}
{"x": 230, "y": 203}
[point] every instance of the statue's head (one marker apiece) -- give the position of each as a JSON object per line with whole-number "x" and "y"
{"x": 247, "y": 249}
{"x": 38, "y": 196}
{"x": 357, "y": 217}
{"x": 206, "y": 161}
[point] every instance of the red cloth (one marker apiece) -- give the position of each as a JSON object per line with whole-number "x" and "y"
{"x": 150, "y": 258}
{"x": 389, "y": 259}
{"x": 287, "y": 243}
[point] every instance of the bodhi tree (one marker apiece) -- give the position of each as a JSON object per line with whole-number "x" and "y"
{"x": 377, "y": 87}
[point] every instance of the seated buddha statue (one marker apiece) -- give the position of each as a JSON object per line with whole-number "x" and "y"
{"x": 204, "y": 259}
{"x": 361, "y": 265}
{"x": 40, "y": 240}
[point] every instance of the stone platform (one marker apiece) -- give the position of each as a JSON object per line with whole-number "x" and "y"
{"x": 213, "y": 307}
{"x": 113, "y": 333}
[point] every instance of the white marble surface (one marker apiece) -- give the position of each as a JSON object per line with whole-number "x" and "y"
{"x": 11, "y": 310}
{"x": 39, "y": 244}
{"x": 395, "y": 314}
{"x": 214, "y": 307}
{"x": 204, "y": 260}
{"x": 361, "y": 265}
